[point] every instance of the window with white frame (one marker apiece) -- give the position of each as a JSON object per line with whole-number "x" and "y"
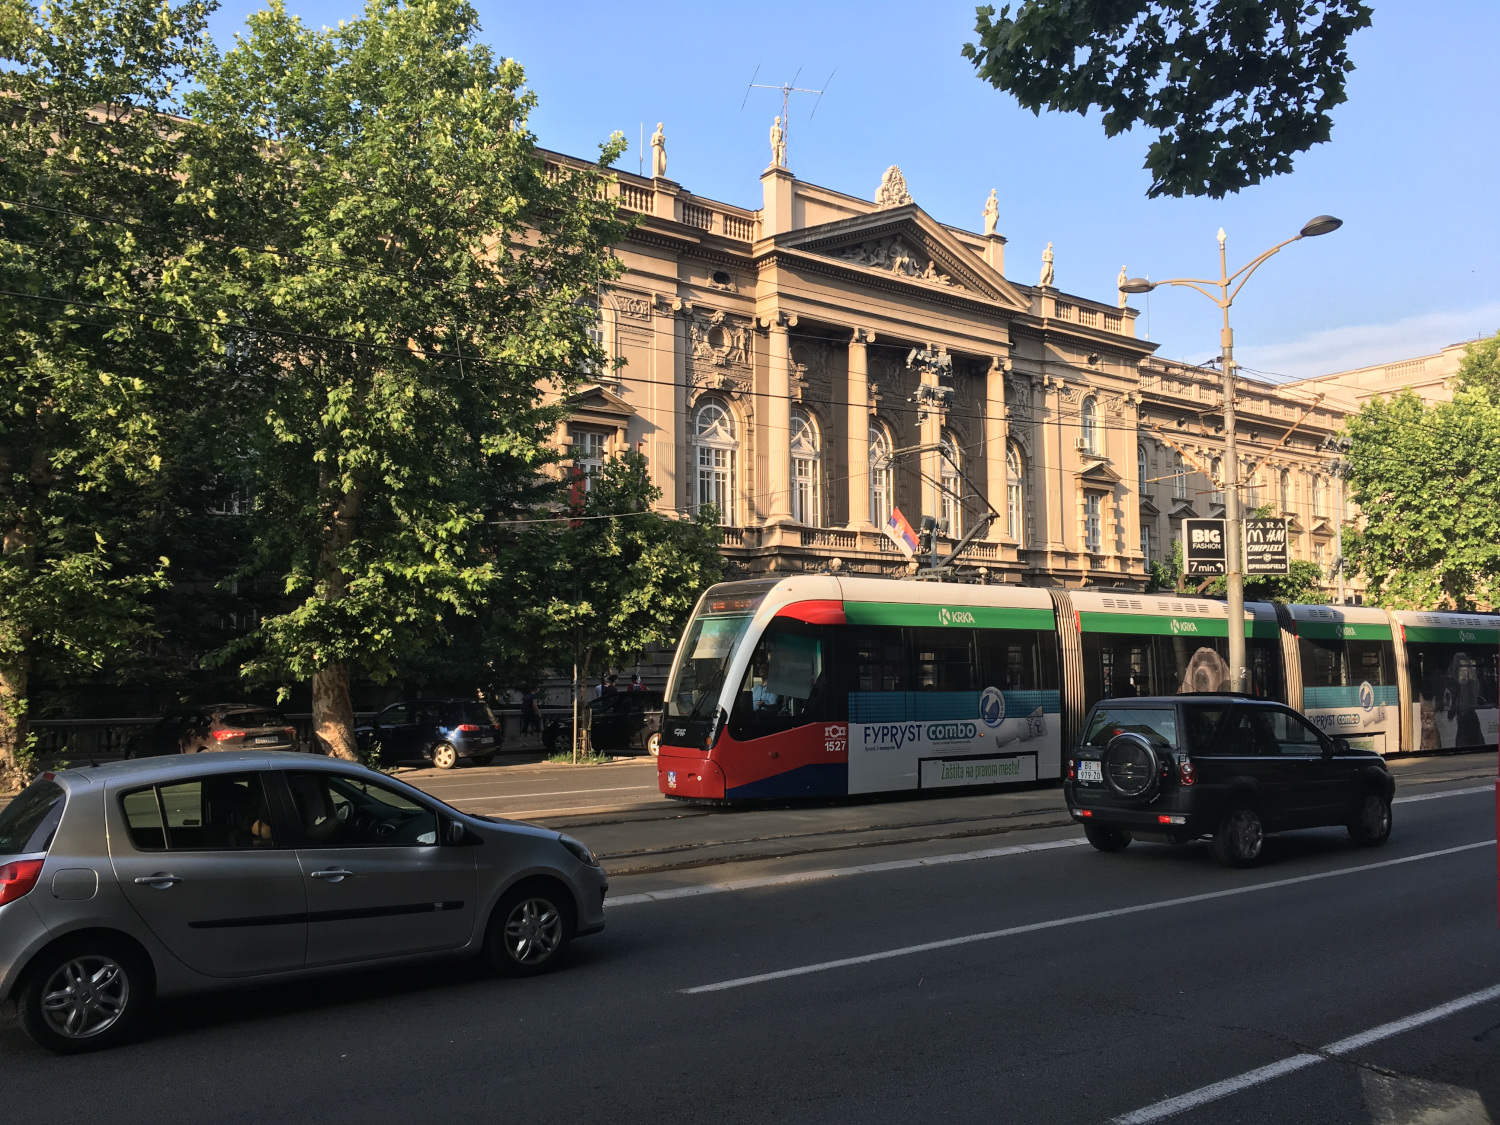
{"x": 1216, "y": 472}
{"x": 1252, "y": 486}
{"x": 1140, "y": 470}
{"x": 1319, "y": 497}
{"x": 715, "y": 449}
{"x": 588, "y": 455}
{"x": 1179, "y": 478}
{"x": 1145, "y": 541}
{"x": 1014, "y": 496}
{"x": 950, "y": 511}
{"x": 1093, "y": 523}
{"x": 882, "y": 479}
{"x": 806, "y": 501}
{"x": 1320, "y": 555}
{"x": 1090, "y": 426}
{"x": 1286, "y": 491}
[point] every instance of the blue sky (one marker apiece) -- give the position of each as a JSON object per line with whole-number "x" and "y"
{"x": 1411, "y": 169}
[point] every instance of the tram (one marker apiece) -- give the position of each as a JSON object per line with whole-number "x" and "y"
{"x": 820, "y": 685}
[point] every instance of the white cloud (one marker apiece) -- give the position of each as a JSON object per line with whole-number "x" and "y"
{"x": 1363, "y": 345}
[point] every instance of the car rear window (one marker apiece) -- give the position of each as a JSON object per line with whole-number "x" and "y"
{"x": 29, "y": 822}
{"x": 1158, "y": 725}
{"x": 477, "y": 713}
{"x": 254, "y": 719}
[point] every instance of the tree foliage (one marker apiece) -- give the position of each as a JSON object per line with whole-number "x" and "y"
{"x": 396, "y": 282}
{"x": 1427, "y": 480}
{"x": 1234, "y": 89}
{"x": 93, "y": 374}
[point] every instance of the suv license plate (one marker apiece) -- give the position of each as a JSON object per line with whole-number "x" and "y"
{"x": 1089, "y": 770}
{"x": 266, "y": 739}
{"x": 487, "y": 740}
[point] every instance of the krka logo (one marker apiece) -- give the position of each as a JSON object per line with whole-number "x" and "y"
{"x": 992, "y": 707}
{"x": 1183, "y": 626}
{"x": 1366, "y": 696}
{"x": 948, "y": 616}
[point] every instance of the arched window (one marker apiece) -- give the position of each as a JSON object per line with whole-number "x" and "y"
{"x": 714, "y": 440}
{"x": 882, "y": 480}
{"x": 1014, "y": 513}
{"x": 1252, "y": 486}
{"x": 806, "y": 505}
{"x": 1320, "y": 497}
{"x": 1140, "y": 470}
{"x": 1090, "y": 435}
{"x": 1286, "y": 491}
{"x": 950, "y": 511}
{"x": 1179, "y": 478}
{"x": 1216, "y": 472}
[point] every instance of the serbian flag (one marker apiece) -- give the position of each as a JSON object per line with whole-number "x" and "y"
{"x": 901, "y": 533}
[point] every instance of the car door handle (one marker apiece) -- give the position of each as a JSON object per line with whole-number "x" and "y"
{"x": 333, "y": 874}
{"x": 160, "y": 881}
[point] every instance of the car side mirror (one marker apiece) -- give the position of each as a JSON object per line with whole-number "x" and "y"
{"x": 454, "y": 833}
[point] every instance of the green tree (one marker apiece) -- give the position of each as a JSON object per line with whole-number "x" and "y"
{"x": 92, "y": 367}
{"x": 614, "y": 579}
{"x": 405, "y": 292}
{"x": 1302, "y": 585}
{"x": 1234, "y": 89}
{"x": 1427, "y": 481}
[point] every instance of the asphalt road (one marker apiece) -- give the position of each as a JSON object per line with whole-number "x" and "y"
{"x": 1016, "y": 976}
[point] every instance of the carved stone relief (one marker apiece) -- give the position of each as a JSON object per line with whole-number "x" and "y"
{"x": 896, "y": 256}
{"x": 892, "y": 190}
{"x": 811, "y": 368}
{"x": 719, "y": 351}
{"x": 632, "y": 306}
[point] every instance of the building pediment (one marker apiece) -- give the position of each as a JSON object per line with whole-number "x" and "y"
{"x": 1100, "y": 475}
{"x": 1148, "y": 508}
{"x": 907, "y": 244}
{"x": 1184, "y": 510}
{"x": 599, "y": 401}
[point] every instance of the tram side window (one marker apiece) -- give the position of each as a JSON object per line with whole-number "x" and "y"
{"x": 787, "y": 683}
{"x": 1013, "y": 660}
{"x": 1118, "y": 665}
{"x": 1263, "y": 660}
{"x": 880, "y": 659}
{"x": 944, "y": 660}
{"x": 1455, "y": 689}
{"x": 1323, "y": 663}
{"x": 1193, "y": 664}
{"x": 1371, "y": 661}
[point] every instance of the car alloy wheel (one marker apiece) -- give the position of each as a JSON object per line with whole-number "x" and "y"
{"x": 444, "y": 756}
{"x": 1240, "y": 838}
{"x": 533, "y": 931}
{"x": 653, "y": 745}
{"x": 85, "y": 996}
{"x": 1372, "y": 823}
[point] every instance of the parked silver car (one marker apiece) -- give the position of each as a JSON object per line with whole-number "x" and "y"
{"x": 137, "y": 879}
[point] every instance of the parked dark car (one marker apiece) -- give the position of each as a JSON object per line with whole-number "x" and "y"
{"x": 441, "y": 731}
{"x": 217, "y": 726}
{"x": 1178, "y": 768}
{"x": 626, "y": 720}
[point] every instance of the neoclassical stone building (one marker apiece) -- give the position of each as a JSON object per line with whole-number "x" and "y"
{"x": 804, "y": 367}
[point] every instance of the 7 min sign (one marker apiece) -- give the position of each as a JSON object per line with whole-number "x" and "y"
{"x": 1265, "y": 547}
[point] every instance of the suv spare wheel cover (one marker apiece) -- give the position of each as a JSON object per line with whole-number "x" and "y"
{"x": 1131, "y": 767}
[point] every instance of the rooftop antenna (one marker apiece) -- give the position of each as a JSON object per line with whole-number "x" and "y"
{"x": 787, "y": 90}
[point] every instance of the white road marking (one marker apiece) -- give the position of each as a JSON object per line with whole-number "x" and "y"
{"x": 896, "y": 865}
{"x": 554, "y": 793}
{"x": 1450, "y": 793}
{"x": 1205, "y": 1094}
{"x": 836, "y": 872}
{"x": 1076, "y": 919}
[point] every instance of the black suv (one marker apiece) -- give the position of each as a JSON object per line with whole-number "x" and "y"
{"x": 444, "y": 732}
{"x": 1177, "y": 768}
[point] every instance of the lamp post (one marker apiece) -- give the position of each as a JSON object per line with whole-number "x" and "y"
{"x": 1229, "y": 286}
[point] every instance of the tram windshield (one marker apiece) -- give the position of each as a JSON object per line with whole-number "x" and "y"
{"x": 708, "y": 644}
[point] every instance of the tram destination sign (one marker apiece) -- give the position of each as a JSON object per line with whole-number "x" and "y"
{"x": 1265, "y": 547}
{"x": 1203, "y": 548}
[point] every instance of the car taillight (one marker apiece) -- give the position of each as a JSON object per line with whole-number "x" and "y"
{"x": 18, "y": 877}
{"x": 467, "y": 727}
{"x": 1185, "y": 771}
{"x": 1085, "y": 812}
{"x": 1072, "y": 770}
{"x": 223, "y": 735}
{"x": 289, "y": 730}
{"x": 1164, "y": 818}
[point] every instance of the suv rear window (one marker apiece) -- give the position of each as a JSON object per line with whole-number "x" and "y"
{"x": 254, "y": 719}
{"x": 1157, "y": 724}
{"x": 29, "y": 822}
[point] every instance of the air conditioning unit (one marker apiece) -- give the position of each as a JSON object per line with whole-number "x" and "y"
{"x": 1082, "y": 445}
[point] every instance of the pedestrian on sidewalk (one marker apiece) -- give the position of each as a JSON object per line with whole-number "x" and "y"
{"x": 531, "y": 713}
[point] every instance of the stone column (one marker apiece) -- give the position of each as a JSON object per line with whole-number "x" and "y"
{"x": 994, "y": 442}
{"x": 775, "y": 432}
{"x": 859, "y": 429}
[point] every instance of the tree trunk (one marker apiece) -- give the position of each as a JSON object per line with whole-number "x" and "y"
{"x": 15, "y": 760}
{"x": 333, "y": 712}
{"x": 332, "y": 707}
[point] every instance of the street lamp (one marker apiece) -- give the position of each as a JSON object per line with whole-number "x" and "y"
{"x": 1320, "y": 224}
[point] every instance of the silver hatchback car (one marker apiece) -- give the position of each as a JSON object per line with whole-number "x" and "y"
{"x": 123, "y": 882}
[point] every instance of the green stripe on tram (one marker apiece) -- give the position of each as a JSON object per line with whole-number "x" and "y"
{"x": 959, "y": 616}
{"x": 1145, "y": 624}
{"x": 1430, "y": 634}
{"x": 1344, "y": 630}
